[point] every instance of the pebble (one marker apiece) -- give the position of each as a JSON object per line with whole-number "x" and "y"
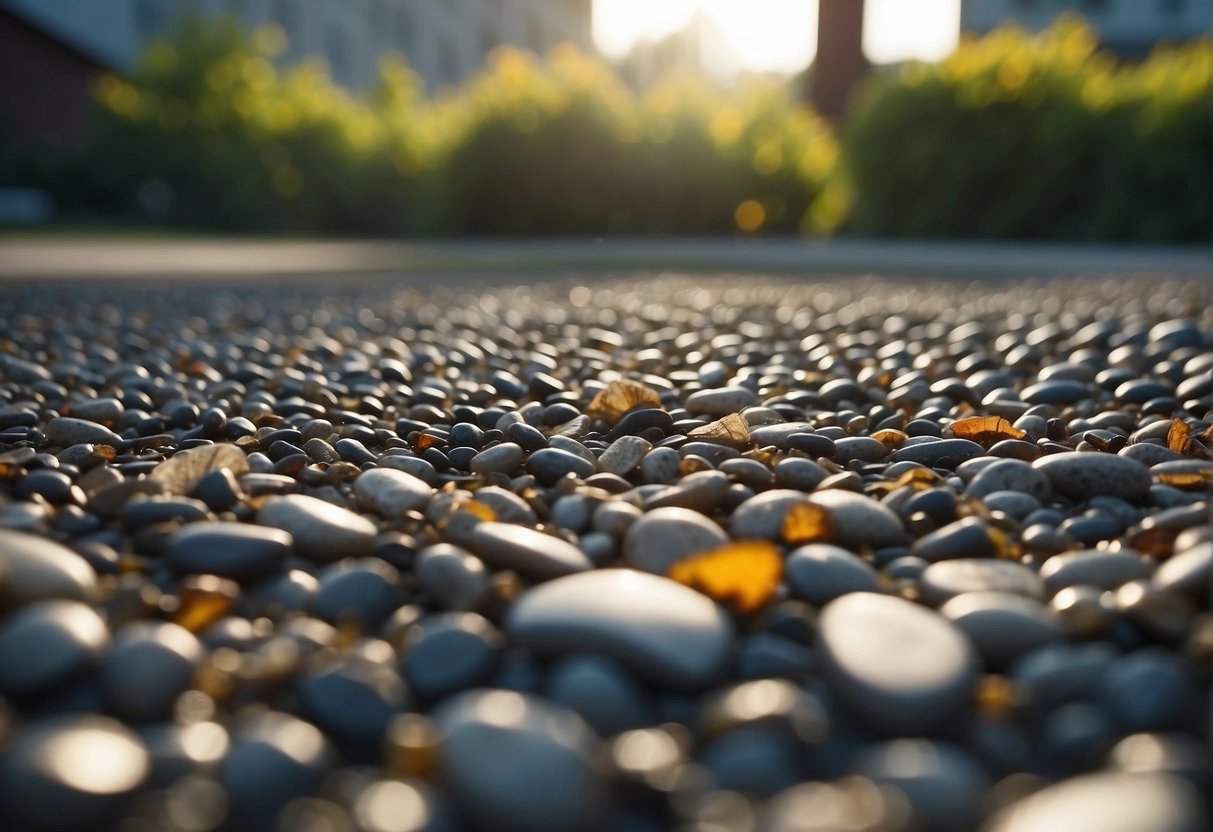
{"x": 452, "y": 578}
{"x": 361, "y": 593}
{"x": 661, "y": 630}
{"x": 899, "y": 666}
{"x": 450, "y": 652}
{"x": 499, "y": 459}
{"x": 353, "y": 701}
{"x": 938, "y": 452}
{"x": 944, "y": 785}
{"x": 1108, "y": 802}
{"x": 1010, "y": 475}
{"x": 149, "y": 665}
{"x": 761, "y": 517}
{"x": 552, "y": 781}
{"x": 49, "y": 643}
{"x": 322, "y": 531}
{"x": 701, "y": 491}
{"x": 967, "y": 538}
{"x": 859, "y": 520}
{"x": 720, "y": 401}
{"x": 1189, "y": 572}
{"x": 34, "y": 569}
{"x": 1001, "y": 625}
{"x": 820, "y": 572}
{"x": 601, "y": 691}
{"x": 64, "y": 431}
{"x": 1081, "y": 476}
{"x": 390, "y": 493}
{"x": 551, "y": 464}
{"x": 665, "y": 536}
{"x": 1094, "y": 567}
{"x": 533, "y": 553}
{"x": 231, "y": 550}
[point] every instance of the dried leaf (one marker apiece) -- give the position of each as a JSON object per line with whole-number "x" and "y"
{"x": 181, "y": 472}
{"x": 1186, "y": 480}
{"x": 743, "y": 574}
{"x": 808, "y": 523}
{"x": 986, "y": 430}
{"x": 1179, "y": 437}
{"x": 425, "y": 441}
{"x": 619, "y": 397}
{"x": 890, "y": 438}
{"x": 204, "y": 600}
{"x": 732, "y": 430}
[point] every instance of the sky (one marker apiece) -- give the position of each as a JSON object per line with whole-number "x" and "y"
{"x": 781, "y": 35}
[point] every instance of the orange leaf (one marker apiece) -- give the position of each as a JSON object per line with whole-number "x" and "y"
{"x": 807, "y": 523}
{"x": 1187, "y": 480}
{"x": 619, "y": 397}
{"x": 743, "y": 574}
{"x": 732, "y": 430}
{"x": 1179, "y": 437}
{"x": 986, "y": 430}
{"x": 890, "y": 438}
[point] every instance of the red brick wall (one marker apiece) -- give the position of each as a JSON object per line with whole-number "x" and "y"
{"x": 44, "y": 86}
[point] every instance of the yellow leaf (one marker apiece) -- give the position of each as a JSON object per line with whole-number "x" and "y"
{"x": 619, "y": 397}
{"x": 807, "y": 523}
{"x": 743, "y": 574}
{"x": 732, "y": 430}
{"x": 985, "y": 430}
{"x": 1179, "y": 437}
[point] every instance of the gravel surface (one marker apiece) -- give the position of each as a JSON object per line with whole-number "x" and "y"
{"x": 646, "y": 553}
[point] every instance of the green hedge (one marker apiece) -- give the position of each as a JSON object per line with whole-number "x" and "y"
{"x": 1036, "y": 138}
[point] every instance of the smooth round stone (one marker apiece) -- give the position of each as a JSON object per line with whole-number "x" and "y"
{"x": 52, "y": 486}
{"x": 499, "y": 459}
{"x": 450, "y": 652}
{"x": 551, "y": 464}
{"x": 507, "y": 506}
{"x": 1107, "y": 802}
{"x": 701, "y": 491}
{"x": 362, "y": 593}
{"x": 1149, "y": 454}
{"x": 820, "y": 572}
{"x": 451, "y": 577}
{"x": 1062, "y": 672}
{"x": 1010, "y": 475}
{"x": 623, "y": 455}
{"x": 932, "y": 454}
{"x": 1057, "y": 391}
{"x": 390, "y": 493}
{"x": 1002, "y": 626}
{"x": 721, "y": 401}
{"x": 1081, "y": 476}
{"x": 71, "y": 773}
{"x": 660, "y": 465}
{"x": 798, "y": 473}
{"x": 353, "y": 701}
{"x": 48, "y": 643}
{"x": 239, "y": 551}
{"x": 944, "y": 785}
{"x": 322, "y": 531}
{"x": 759, "y": 759}
{"x": 779, "y": 434}
{"x": 947, "y": 579}
{"x": 35, "y": 569}
{"x": 761, "y": 517}
{"x": 602, "y": 691}
{"x": 420, "y": 468}
{"x": 63, "y": 431}
{"x": 902, "y": 667}
{"x": 665, "y": 536}
{"x": 1012, "y": 503}
{"x": 968, "y": 538}
{"x": 662, "y": 630}
{"x": 1148, "y": 690}
{"x": 1094, "y": 567}
{"x": 862, "y": 448}
{"x": 859, "y": 520}
{"x": 1189, "y": 572}
{"x": 551, "y": 781}
{"x": 530, "y": 552}
{"x": 150, "y": 664}
{"x": 274, "y": 759}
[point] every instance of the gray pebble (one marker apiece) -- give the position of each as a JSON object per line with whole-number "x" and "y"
{"x": 322, "y": 531}
{"x": 63, "y": 431}
{"x": 48, "y": 643}
{"x": 1002, "y": 626}
{"x": 1094, "y": 567}
{"x": 859, "y": 520}
{"x": 1010, "y": 475}
{"x": 1081, "y": 476}
{"x": 499, "y": 459}
{"x": 231, "y": 550}
{"x": 1107, "y": 802}
{"x": 720, "y": 401}
{"x": 820, "y": 572}
{"x": 664, "y": 536}
{"x": 530, "y": 552}
{"x": 150, "y": 664}
{"x": 391, "y": 493}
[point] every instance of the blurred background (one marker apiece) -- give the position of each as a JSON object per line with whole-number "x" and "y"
{"x": 1074, "y": 120}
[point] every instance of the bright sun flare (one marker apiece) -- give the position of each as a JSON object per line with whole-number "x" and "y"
{"x": 781, "y": 35}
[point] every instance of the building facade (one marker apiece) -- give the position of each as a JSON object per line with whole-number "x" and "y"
{"x": 443, "y": 40}
{"x": 1128, "y": 27}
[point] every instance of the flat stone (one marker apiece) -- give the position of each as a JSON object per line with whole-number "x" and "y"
{"x": 720, "y": 401}
{"x": 665, "y": 536}
{"x": 150, "y": 664}
{"x": 239, "y": 551}
{"x": 390, "y": 493}
{"x": 1094, "y": 567}
{"x": 48, "y": 643}
{"x": 1002, "y": 626}
{"x": 944, "y": 784}
{"x": 180, "y": 473}
{"x": 322, "y": 531}
{"x": 1107, "y": 802}
{"x": 1010, "y": 475}
{"x": 900, "y": 666}
{"x": 1189, "y": 572}
{"x": 861, "y": 448}
{"x": 551, "y": 783}
{"x": 1081, "y": 476}
{"x": 499, "y": 459}
{"x": 761, "y": 517}
{"x": 63, "y": 431}
{"x": 662, "y": 630}
{"x": 966, "y": 538}
{"x": 1058, "y": 391}
{"x": 701, "y": 491}
{"x": 779, "y": 434}
{"x": 551, "y": 464}
{"x": 623, "y": 455}
{"x": 820, "y": 572}
{"x": 533, "y": 553}
{"x": 934, "y": 453}
{"x": 859, "y": 520}
{"x": 34, "y": 569}
{"x": 947, "y": 579}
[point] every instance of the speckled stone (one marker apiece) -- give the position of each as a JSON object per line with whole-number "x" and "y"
{"x": 1010, "y": 475}
{"x": 1081, "y": 476}
{"x": 664, "y": 536}
{"x": 623, "y": 455}
{"x": 390, "y": 493}
{"x": 662, "y": 630}
{"x": 1094, "y": 567}
{"x": 63, "y": 431}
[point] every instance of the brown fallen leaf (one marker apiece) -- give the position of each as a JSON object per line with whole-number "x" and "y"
{"x": 808, "y": 523}
{"x": 619, "y": 397}
{"x": 1186, "y": 480}
{"x": 732, "y": 430}
{"x": 985, "y": 430}
{"x": 743, "y": 574}
{"x": 181, "y": 472}
{"x": 1179, "y": 437}
{"x": 890, "y": 438}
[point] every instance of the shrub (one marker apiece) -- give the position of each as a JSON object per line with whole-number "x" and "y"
{"x": 1043, "y": 138}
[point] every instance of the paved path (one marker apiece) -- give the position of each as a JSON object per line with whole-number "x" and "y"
{"x": 75, "y": 258}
